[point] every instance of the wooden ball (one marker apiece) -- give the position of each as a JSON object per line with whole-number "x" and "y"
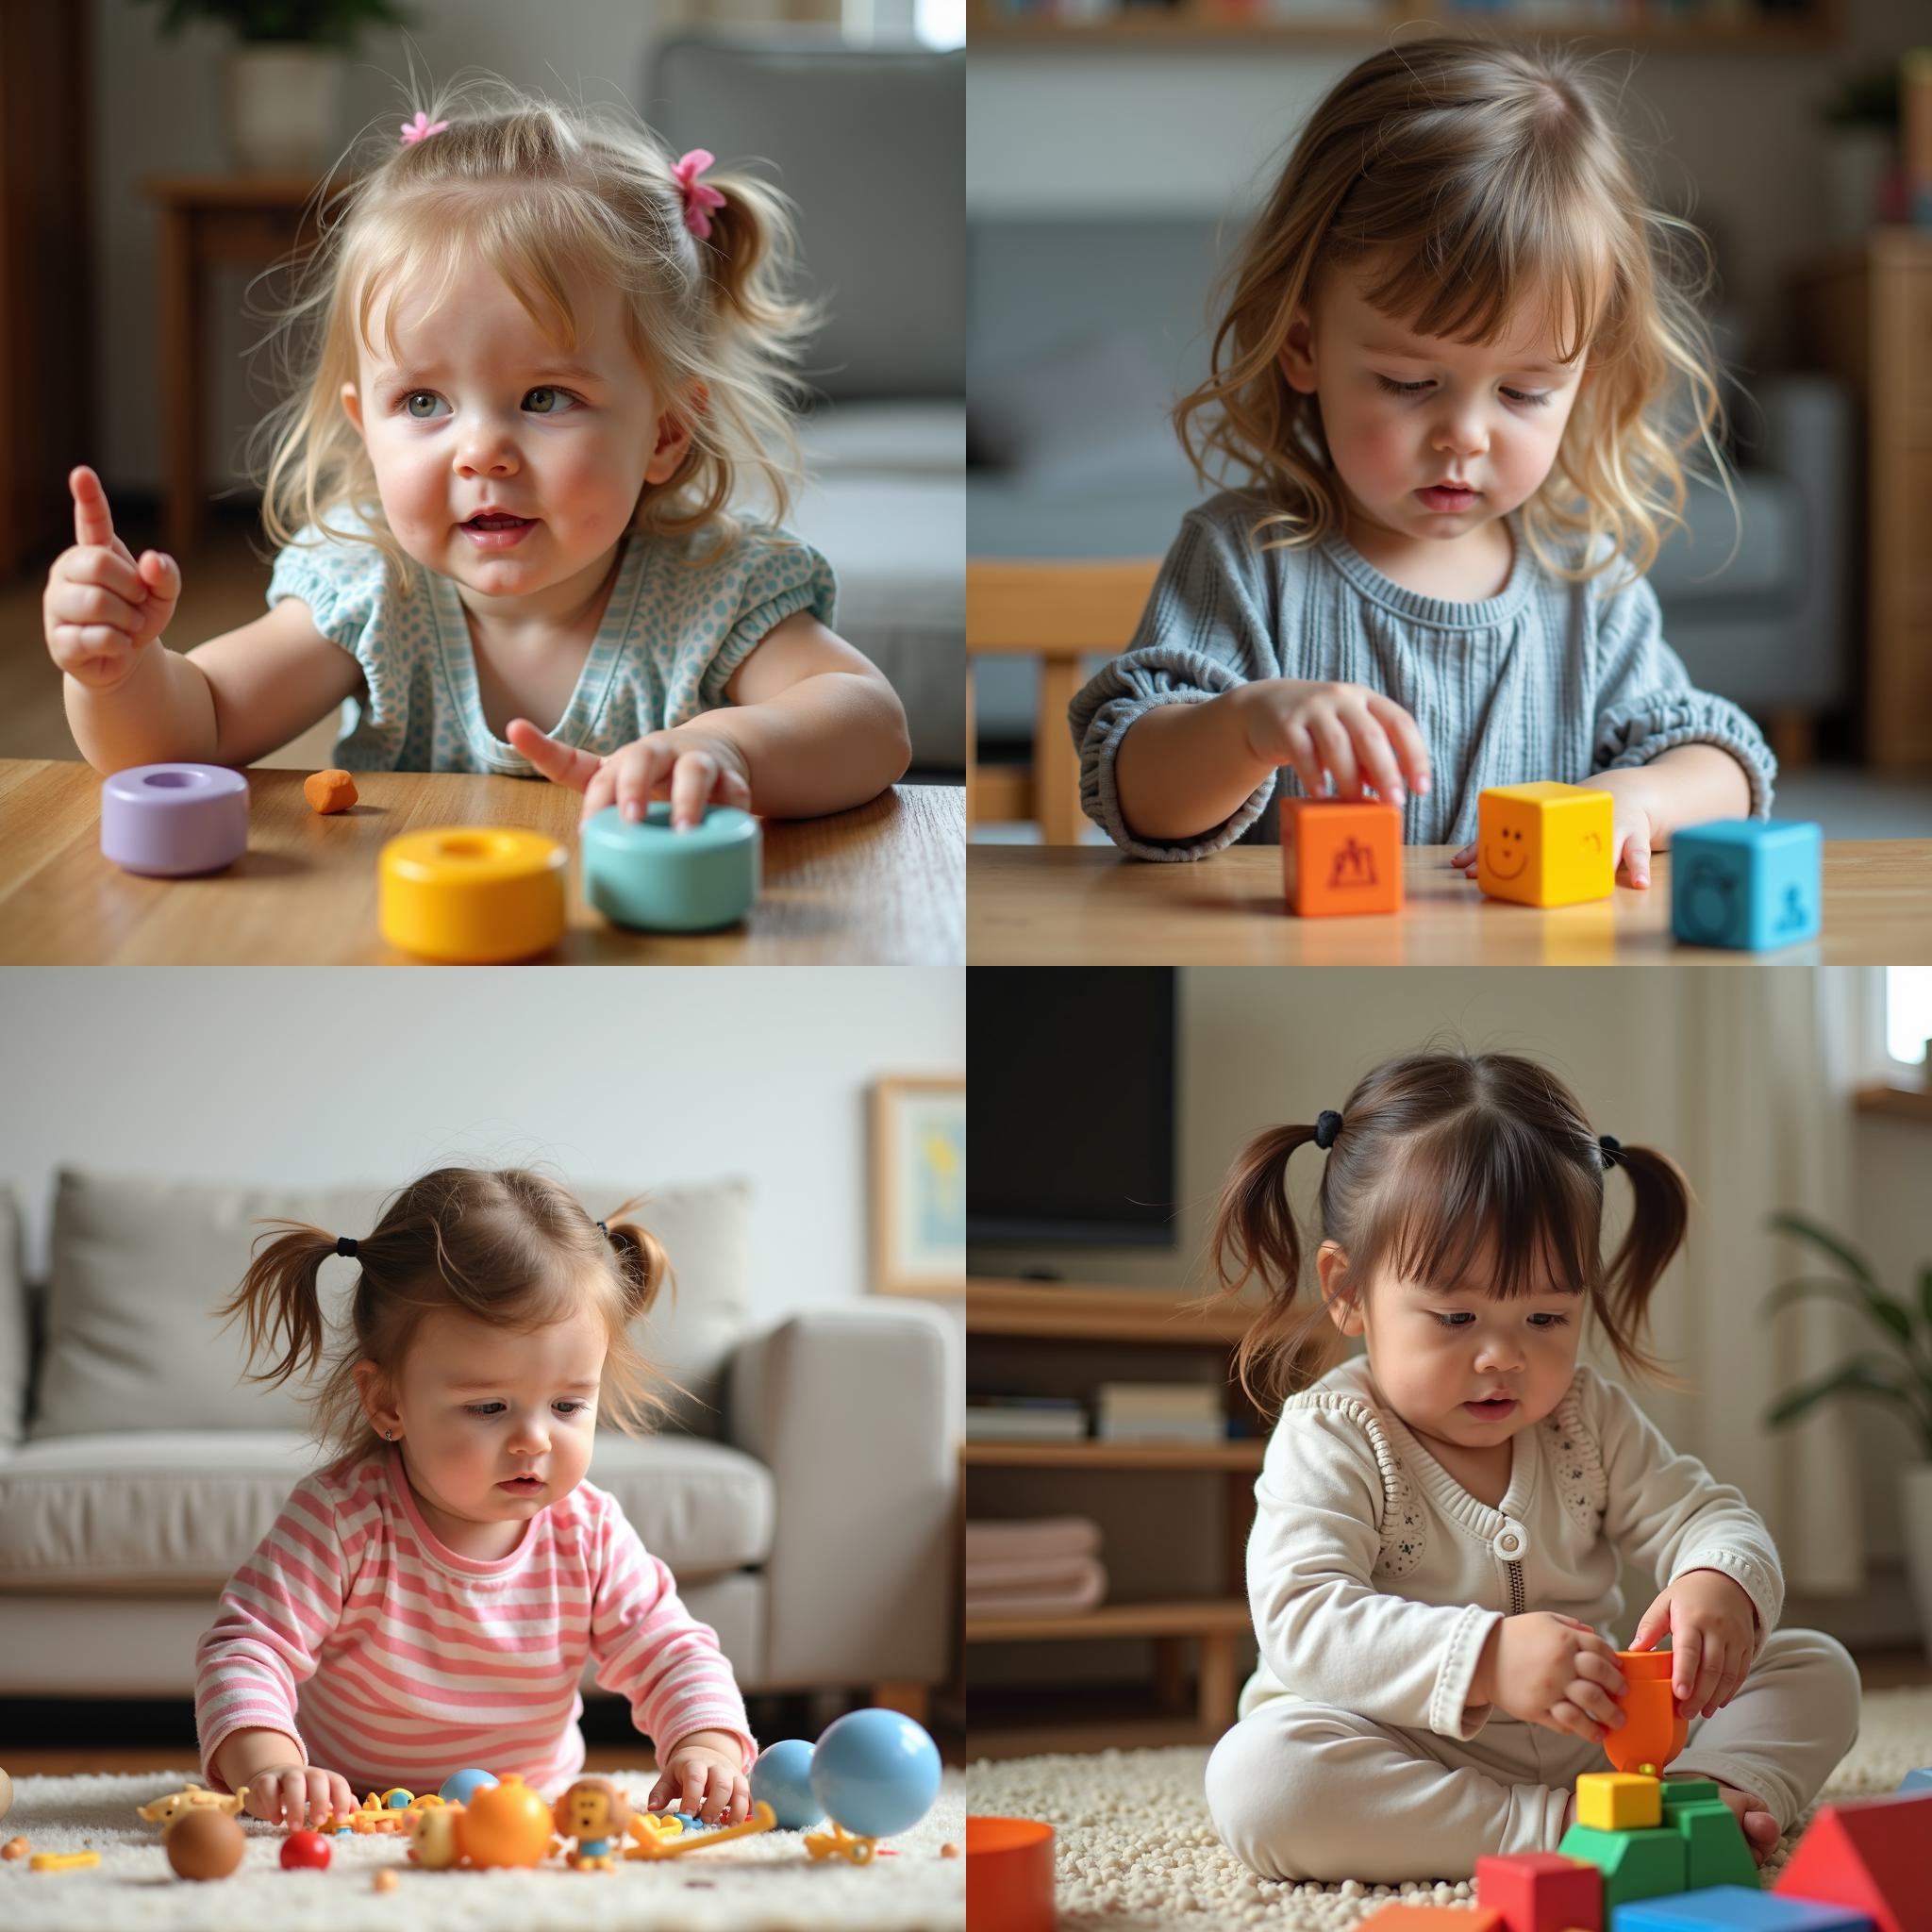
{"x": 385, "y": 1881}
{"x": 204, "y": 1844}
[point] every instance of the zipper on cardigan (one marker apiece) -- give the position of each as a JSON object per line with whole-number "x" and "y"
{"x": 1515, "y": 1570}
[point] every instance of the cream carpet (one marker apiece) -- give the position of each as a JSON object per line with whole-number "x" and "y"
{"x": 1135, "y": 1852}
{"x": 764, "y": 1884}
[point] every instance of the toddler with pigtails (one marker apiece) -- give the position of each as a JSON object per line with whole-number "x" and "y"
{"x": 429, "y": 1599}
{"x": 1452, "y": 388}
{"x": 1439, "y": 1521}
{"x": 569, "y": 593}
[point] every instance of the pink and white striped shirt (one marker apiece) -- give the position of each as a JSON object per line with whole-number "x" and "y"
{"x": 395, "y": 1661}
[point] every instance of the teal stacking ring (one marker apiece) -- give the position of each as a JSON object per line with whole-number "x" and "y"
{"x": 642, "y": 874}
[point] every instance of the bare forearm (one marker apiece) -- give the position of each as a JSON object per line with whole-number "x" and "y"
{"x": 244, "y": 1753}
{"x": 1182, "y": 768}
{"x": 823, "y": 744}
{"x": 163, "y": 709}
{"x": 1696, "y": 783}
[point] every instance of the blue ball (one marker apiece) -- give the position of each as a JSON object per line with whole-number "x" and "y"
{"x": 460, "y": 1787}
{"x": 782, "y": 1779}
{"x": 876, "y": 1772}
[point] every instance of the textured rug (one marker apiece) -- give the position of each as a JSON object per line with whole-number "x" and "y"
{"x": 764, "y": 1884}
{"x": 1135, "y": 1852}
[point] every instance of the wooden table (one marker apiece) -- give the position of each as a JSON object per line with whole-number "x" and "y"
{"x": 883, "y": 884}
{"x": 1086, "y": 904}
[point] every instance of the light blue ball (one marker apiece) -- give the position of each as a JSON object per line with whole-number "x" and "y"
{"x": 460, "y": 1787}
{"x": 876, "y": 1772}
{"x": 782, "y": 1779}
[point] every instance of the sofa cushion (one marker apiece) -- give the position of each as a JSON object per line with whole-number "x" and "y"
{"x": 138, "y": 1266}
{"x": 177, "y": 1509}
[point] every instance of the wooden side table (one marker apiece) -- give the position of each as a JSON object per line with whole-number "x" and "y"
{"x": 209, "y": 220}
{"x": 1866, "y": 313}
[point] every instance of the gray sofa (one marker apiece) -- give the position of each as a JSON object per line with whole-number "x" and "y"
{"x": 1082, "y": 333}
{"x": 804, "y": 1499}
{"x": 870, "y": 143}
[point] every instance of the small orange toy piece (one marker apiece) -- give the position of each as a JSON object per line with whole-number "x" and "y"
{"x": 1652, "y": 1733}
{"x": 1340, "y": 856}
{"x": 387, "y": 1881}
{"x": 1404, "y": 1917}
{"x": 506, "y": 1824}
{"x": 330, "y": 791}
{"x": 15, "y": 1848}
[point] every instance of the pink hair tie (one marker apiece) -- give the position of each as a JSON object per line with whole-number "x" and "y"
{"x": 420, "y": 130}
{"x": 698, "y": 199}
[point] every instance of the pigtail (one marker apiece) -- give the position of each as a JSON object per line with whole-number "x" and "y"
{"x": 1657, "y": 1231}
{"x": 278, "y": 1300}
{"x": 751, "y": 256}
{"x": 641, "y": 1259}
{"x": 637, "y": 1392}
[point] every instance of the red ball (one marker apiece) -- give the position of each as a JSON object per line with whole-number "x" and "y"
{"x": 305, "y": 1851}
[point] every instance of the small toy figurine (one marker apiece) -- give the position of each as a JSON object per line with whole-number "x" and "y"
{"x": 436, "y": 1836}
{"x": 594, "y": 1812}
{"x": 191, "y": 1797}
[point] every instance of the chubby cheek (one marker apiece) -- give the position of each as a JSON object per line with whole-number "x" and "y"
{"x": 1374, "y": 451}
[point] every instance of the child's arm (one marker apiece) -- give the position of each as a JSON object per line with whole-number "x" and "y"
{"x": 283, "y": 1787}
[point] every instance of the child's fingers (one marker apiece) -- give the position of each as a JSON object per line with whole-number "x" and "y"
{"x": 641, "y": 769}
{"x": 1466, "y": 858}
{"x": 93, "y": 523}
{"x": 1301, "y": 759}
{"x": 563, "y": 764}
{"x": 1564, "y": 1716}
{"x": 693, "y": 779}
{"x": 1375, "y": 757}
{"x": 1336, "y": 752}
{"x": 1687, "y": 1649}
{"x": 1636, "y": 856}
{"x": 1411, "y": 753}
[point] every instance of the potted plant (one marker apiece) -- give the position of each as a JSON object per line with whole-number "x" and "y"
{"x": 1861, "y": 128}
{"x": 282, "y": 87}
{"x": 1899, "y": 1375}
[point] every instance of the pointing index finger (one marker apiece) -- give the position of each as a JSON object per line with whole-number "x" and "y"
{"x": 563, "y": 764}
{"x": 93, "y": 523}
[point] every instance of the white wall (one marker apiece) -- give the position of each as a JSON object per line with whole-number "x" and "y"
{"x": 633, "y": 1075}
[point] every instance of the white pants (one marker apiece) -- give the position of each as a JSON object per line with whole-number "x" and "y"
{"x": 1307, "y": 1790}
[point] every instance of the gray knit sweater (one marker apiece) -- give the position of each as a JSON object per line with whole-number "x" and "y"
{"x": 1548, "y": 680}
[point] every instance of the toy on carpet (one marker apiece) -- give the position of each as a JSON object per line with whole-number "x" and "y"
{"x": 461, "y": 1786}
{"x": 436, "y": 1836}
{"x": 874, "y": 1773}
{"x": 1751, "y": 884}
{"x": 170, "y": 820}
{"x": 782, "y": 1777}
{"x": 473, "y": 895}
{"x": 329, "y": 791}
{"x": 662, "y": 1835}
{"x": 1340, "y": 856}
{"x": 201, "y": 1843}
{"x": 640, "y": 873}
{"x": 385, "y": 1881}
{"x": 14, "y": 1848}
{"x": 1544, "y": 845}
{"x": 505, "y": 1824}
{"x": 595, "y": 1813}
{"x": 305, "y": 1851}
{"x": 62, "y": 1861}
{"x": 1009, "y": 1879}
{"x": 193, "y": 1797}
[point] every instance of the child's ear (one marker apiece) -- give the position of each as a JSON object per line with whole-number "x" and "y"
{"x": 1297, "y": 356}
{"x": 673, "y": 438}
{"x": 378, "y": 1403}
{"x": 1331, "y": 1270}
{"x": 352, "y": 406}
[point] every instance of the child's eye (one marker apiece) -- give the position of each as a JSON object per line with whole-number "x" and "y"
{"x": 545, "y": 389}
{"x": 411, "y": 413}
{"x": 1415, "y": 389}
{"x": 571, "y": 1408}
{"x": 1548, "y": 1321}
{"x": 483, "y": 1408}
{"x": 1460, "y": 1319}
{"x": 564, "y": 393}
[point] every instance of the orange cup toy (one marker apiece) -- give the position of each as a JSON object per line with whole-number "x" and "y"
{"x": 1010, "y": 1875}
{"x": 1340, "y": 856}
{"x": 1652, "y": 1733}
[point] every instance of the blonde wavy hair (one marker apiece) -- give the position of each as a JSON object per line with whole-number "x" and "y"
{"x": 1487, "y": 175}
{"x": 552, "y": 197}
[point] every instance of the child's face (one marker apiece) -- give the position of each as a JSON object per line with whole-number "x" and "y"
{"x": 1403, "y": 413}
{"x": 1436, "y": 1352}
{"x": 478, "y": 1406}
{"x": 481, "y": 411}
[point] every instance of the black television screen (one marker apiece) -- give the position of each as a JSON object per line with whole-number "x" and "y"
{"x": 1070, "y": 1073}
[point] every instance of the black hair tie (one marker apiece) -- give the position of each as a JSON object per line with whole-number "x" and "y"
{"x": 603, "y": 1230}
{"x": 345, "y": 1244}
{"x": 1328, "y": 1124}
{"x": 1611, "y": 1147}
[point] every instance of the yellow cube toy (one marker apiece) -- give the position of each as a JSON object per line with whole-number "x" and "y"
{"x": 1544, "y": 845}
{"x": 1619, "y": 1801}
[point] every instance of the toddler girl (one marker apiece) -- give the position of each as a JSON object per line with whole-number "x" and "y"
{"x": 467, "y": 565}
{"x": 1433, "y": 1566}
{"x": 1445, "y": 373}
{"x": 428, "y": 1600}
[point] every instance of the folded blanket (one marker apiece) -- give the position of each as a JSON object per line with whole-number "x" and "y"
{"x": 1080, "y": 1584}
{"x": 1042, "y": 1537}
{"x": 1031, "y": 1573}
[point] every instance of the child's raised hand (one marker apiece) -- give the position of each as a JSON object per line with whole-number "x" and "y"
{"x": 1637, "y": 825}
{"x": 102, "y": 605}
{"x": 1713, "y": 1625}
{"x": 704, "y": 1777}
{"x": 689, "y": 766}
{"x": 1556, "y": 1672}
{"x": 293, "y": 1794}
{"x": 1361, "y": 739}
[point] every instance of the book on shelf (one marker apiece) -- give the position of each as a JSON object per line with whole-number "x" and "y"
{"x": 1159, "y": 1412}
{"x": 1003, "y": 1418}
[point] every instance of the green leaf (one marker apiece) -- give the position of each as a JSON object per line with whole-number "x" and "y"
{"x": 1893, "y": 1317}
{"x": 1854, "y": 1378}
{"x": 1806, "y": 1230}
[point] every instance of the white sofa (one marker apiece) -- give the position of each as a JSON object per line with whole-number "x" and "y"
{"x": 804, "y": 1500}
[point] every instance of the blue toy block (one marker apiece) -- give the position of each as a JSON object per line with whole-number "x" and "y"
{"x": 1916, "y": 1781}
{"x": 1749, "y": 884}
{"x": 1732, "y": 1908}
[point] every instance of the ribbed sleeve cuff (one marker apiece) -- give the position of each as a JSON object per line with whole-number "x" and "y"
{"x": 1763, "y": 1585}
{"x": 1633, "y": 735}
{"x": 1451, "y": 1713}
{"x": 1100, "y": 795}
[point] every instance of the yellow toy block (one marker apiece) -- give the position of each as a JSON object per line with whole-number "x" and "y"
{"x": 1544, "y": 845}
{"x": 1619, "y": 1801}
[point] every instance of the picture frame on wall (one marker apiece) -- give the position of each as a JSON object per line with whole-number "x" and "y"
{"x": 919, "y": 1184}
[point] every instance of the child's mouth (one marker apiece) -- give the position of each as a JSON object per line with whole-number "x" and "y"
{"x": 522, "y": 1484}
{"x": 496, "y": 533}
{"x": 1491, "y": 1411}
{"x": 1436, "y": 497}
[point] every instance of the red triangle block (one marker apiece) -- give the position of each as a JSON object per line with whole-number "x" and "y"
{"x": 1875, "y": 1855}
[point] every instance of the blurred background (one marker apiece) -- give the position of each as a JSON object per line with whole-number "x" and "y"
{"x": 162, "y": 153}
{"x": 1110, "y": 1464}
{"x": 1117, "y": 150}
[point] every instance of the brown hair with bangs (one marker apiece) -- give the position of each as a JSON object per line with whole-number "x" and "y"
{"x": 1487, "y": 177}
{"x": 511, "y": 1246}
{"x": 1444, "y": 1161}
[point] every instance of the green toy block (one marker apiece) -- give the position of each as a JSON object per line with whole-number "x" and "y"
{"x": 1635, "y": 1864}
{"x": 1715, "y": 1851}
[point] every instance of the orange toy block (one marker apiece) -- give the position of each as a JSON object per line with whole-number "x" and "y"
{"x": 1401, "y": 1918}
{"x": 1541, "y": 1892}
{"x": 1870, "y": 1856}
{"x": 1340, "y": 856}
{"x": 330, "y": 791}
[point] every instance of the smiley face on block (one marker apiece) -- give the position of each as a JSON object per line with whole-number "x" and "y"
{"x": 1544, "y": 845}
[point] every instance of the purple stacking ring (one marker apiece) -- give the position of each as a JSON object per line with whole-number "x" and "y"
{"x": 173, "y": 820}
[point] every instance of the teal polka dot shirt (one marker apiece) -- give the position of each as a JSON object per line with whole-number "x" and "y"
{"x": 672, "y": 633}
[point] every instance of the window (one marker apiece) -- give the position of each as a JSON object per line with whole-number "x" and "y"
{"x": 1907, "y": 1013}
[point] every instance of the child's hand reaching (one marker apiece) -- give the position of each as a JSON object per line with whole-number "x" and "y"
{"x": 1713, "y": 1629}
{"x": 689, "y": 766}
{"x": 1346, "y": 731}
{"x": 703, "y": 1777}
{"x": 1553, "y": 1670}
{"x": 1637, "y": 825}
{"x": 295, "y": 1794}
{"x": 102, "y": 607}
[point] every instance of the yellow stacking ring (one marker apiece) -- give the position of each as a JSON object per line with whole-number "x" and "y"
{"x": 475, "y": 894}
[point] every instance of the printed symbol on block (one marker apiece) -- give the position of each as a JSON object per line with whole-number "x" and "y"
{"x": 1355, "y": 865}
{"x": 1544, "y": 845}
